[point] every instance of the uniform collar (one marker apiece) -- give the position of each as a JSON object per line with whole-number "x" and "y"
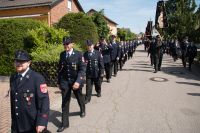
{"x": 91, "y": 51}
{"x": 24, "y": 73}
{"x": 69, "y": 52}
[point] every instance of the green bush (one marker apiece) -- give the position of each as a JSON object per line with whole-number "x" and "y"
{"x": 12, "y": 37}
{"x": 80, "y": 26}
{"x": 48, "y": 70}
{"x": 46, "y": 43}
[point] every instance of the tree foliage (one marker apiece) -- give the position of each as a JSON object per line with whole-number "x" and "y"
{"x": 12, "y": 37}
{"x": 125, "y": 34}
{"x": 101, "y": 23}
{"x": 80, "y": 27}
{"x": 45, "y": 43}
{"x": 182, "y": 19}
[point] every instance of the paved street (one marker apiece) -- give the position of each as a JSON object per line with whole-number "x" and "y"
{"x": 136, "y": 101}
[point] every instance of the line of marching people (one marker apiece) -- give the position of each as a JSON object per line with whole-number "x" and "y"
{"x": 184, "y": 50}
{"x": 29, "y": 92}
{"x": 75, "y": 69}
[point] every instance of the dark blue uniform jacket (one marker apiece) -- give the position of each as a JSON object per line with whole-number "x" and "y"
{"x": 71, "y": 69}
{"x": 94, "y": 62}
{"x": 29, "y": 102}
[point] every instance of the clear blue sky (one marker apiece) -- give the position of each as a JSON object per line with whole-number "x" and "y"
{"x": 132, "y": 14}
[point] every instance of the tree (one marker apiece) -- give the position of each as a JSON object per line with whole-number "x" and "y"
{"x": 196, "y": 35}
{"x": 80, "y": 27}
{"x": 125, "y": 34}
{"x": 101, "y": 23}
{"x": 181, "y": 18}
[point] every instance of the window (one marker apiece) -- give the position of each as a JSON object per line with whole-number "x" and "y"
{"x": 69, "y": 5}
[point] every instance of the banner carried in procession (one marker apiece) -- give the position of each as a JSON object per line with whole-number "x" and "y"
{"x": 161, "y": 16}
{"x": 148, "y": 32}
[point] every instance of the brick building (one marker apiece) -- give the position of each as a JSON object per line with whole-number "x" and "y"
{"x": 49, "y": 11}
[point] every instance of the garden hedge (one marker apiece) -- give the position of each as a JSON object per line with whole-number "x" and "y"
{"x": 80, "y": 27}
{"x": 12, "y": 37}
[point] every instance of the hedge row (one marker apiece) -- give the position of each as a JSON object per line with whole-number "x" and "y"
{"x": 12, "y": 37}
{"x": 48, "y": 70}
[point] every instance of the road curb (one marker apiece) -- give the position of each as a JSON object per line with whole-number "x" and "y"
{"x": 4, "y": 78}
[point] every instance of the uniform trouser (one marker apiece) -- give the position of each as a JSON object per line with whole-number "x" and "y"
{"x": 156, "y": 61}
{"x": 114, "y": 64}
{"x": 190, "y": 60}
{"x": 125, "y": 58}
{"x": 160, "y": 61}
{"x": 66, "y": 97}
{"x": 184, "y": 58}
{"x": 107, "y": 70}
{"x": 120, "y": 63}
{"x": 151, "y": 59}
{"x": 89, "y": 86}
{"x": 132, "y": 54}
{"x": 129, "y": 55}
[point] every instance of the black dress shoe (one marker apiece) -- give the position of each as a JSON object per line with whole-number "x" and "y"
{"x": 82, "y": 114}
{"x": 98, "y": 94}
{"x": 60, "y": 129}
{"x": 108, "y": 80}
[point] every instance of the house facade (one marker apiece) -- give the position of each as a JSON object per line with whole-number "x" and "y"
{"x": 111, "y": 24}
{"x": 50, "y": 11}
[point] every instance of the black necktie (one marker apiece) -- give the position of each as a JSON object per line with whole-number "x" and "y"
{"x": 90, "y": 53}
{"x": 19, "y": 78}
{"x": 67, "y": 55}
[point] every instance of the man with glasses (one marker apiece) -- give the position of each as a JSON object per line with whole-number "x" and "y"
{"x": 29, "y": 97}
{"x": 71, "y": 70}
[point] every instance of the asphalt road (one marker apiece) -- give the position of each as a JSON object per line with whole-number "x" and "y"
{"x": 140, "y": 101}
{"x": 136, "y": 101}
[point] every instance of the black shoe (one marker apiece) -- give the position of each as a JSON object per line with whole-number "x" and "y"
{"x": 98, "y": 94}
{"x": 158, "y": 69}
{"x": 86, "y": 101}
{"x": 60, "y": 129}
{"x": 115, "y": 75}
{"x": 82, "y": 114}
{"x": 108, "y": 80}
{"x": 155, "y": 71}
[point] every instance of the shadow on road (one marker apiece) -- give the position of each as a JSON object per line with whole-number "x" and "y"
{"x": 137, "y": 70}
{"x": 54, "y": 117}
{"x": 188, "y": 83}
{"x": 194, "y": 94}
{"x": 180, "y": 72}
{"x": 141, "y": 51}
{"x": 55, "y": 114}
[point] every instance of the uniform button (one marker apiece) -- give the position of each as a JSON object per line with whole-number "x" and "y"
{"x": 16, "y": 100}
{"x": 16, "y": 93}
{"x": 16, "y": 107}
{"x": 17, "y": 114}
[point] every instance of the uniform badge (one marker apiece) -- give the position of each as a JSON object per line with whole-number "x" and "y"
{"x": 27, "y": 76}
{"x": 43, "y": 88}
{"x": 83, "y": 60}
